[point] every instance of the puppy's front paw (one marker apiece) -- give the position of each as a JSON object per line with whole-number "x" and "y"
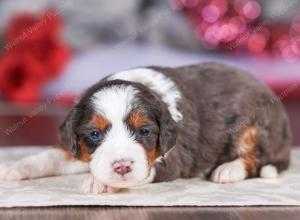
{"x": 10, "y": 172}
{"x": 93, "y": 186}
{"x": 230, "y": 172}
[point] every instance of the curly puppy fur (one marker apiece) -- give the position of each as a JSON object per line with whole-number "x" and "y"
{"x": 157, "y": 124}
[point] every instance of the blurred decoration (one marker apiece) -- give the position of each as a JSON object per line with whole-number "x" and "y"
{"x": 94, "y": 23}
{"x": 237, "y": 25}
{"x": 33, "y": 54}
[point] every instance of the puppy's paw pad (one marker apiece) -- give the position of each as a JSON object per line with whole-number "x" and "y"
{"x": 93, "y": 186}
{"x": 230, "y": 172}
{"x": 9, "y": 172}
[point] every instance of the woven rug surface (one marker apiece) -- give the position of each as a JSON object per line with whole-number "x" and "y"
{"x": 64, "y": 190}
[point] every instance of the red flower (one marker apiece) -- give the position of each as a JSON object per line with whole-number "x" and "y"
{"x": 20, "y": 77}
{"x": 35, "y": 53}
{"x": 52, "y": 54}
{"x": 27, "y": 28}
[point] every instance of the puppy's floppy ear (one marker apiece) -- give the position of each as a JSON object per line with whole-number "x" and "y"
{"x": 67, "y": 136}
{"x": 168, "y": 131}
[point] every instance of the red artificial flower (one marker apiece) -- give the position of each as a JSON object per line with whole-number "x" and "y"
{"x": 20, "y": 77}
{"x": 52, "y": 54}
{"x": 29, "y": 28}
{"x": 34, "y": 54}
{"x": 40, "y": 35}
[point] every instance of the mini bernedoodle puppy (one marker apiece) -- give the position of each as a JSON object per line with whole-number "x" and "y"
{"x": 158, "y": 124}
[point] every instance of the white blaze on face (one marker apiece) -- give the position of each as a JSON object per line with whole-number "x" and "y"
{"x": 115, "y": 103}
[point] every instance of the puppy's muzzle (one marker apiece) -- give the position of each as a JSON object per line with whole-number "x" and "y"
{"x": 122, "y": 166}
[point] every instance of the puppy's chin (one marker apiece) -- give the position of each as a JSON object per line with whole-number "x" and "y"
{"x": 123, "y": 182}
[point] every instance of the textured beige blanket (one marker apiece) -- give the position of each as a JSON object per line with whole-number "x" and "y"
{"x": 56, "y": 191}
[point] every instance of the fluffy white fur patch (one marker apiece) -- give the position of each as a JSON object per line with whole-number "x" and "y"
{"x": 269, "y": 171}
{"x": 48, "y": 163}
{"x": 230, "y": 172}
{"x": 156, "y": 81}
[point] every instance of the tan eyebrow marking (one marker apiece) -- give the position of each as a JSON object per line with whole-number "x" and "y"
{"x": 137, "y": 120}
{"x": 100, "y": 122}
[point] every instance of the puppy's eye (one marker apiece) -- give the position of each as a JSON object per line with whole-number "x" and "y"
{"x": 95, "y": 135}
{"x": 144, "y": 132}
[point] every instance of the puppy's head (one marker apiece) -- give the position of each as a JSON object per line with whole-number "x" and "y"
{"x": 120, "y": 128}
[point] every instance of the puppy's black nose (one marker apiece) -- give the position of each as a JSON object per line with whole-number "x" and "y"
{"x": 122, "y": 166}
